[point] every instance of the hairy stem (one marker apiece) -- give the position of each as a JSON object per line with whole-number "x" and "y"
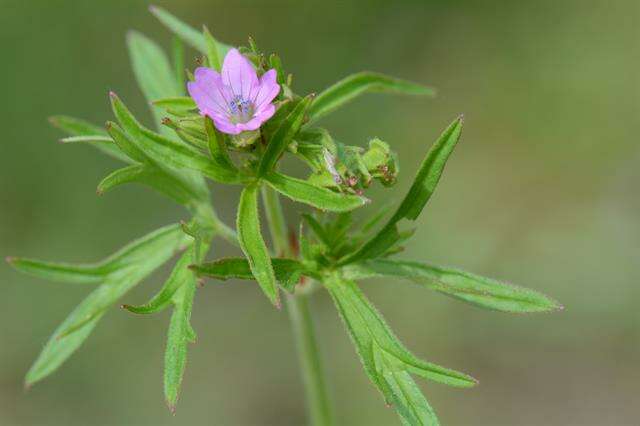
{"x": 317, "y": 399}
{"x": 319, "y": 412}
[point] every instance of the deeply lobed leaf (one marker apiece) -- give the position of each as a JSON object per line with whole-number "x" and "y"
{"x": 167, "y": 151}
{"x": 180, "y": 334}
{"x": 127, "y": 268}
{"x": 80, "y": 128}
{"x": 471, "y": 288}
{"x": 188, "y": 34}
{"x": 423, "y": 186}
{"x": 180, "y": 275}
{"x": 357, "y": 84}
{"x": 153, "y": 71}
{"x": 386, "y": 361}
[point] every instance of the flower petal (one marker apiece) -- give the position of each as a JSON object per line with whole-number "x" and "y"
{"x": 225, "y": 126}
{"x": 265, "y": 112}
{"x": 238, "y": 74}
{"x": 267, "y": 90}
{"x": 208, "y": 91}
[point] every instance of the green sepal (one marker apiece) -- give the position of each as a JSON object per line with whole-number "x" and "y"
{"x": 217, "y": 147}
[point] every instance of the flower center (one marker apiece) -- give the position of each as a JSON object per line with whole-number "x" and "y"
{"x": 241, "y": 110}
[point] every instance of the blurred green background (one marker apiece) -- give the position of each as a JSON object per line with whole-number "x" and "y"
{"x": 542, "y": 191}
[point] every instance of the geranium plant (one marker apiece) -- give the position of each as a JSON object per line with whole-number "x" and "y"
{"x": 231, "y": 121}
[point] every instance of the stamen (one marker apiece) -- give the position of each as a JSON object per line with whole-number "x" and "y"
{"x": 241, "y": 109}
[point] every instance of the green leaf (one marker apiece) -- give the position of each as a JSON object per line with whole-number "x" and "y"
{"x": 76, "y": 126}
{"x": 287, "y": 271}
{"x": 429, "y": 173}
{"x": 180, "y": 275}
{"x": 81, "y": 128}
{"x": 370, "y": 333}
{"x": 153, "y": 72}
{"x": 355, "y": 85}
{"x": 149, "y": 176}
{"x": 212, "y": 50}
{"x": 188, "y": 34}
{"x": 90, "y": 272}
{"x": 177, "y": 53}
{"x": 179, "y": 336}
{"x": 283, "y": 136}
{"x": 403, "y": 393}
{"x": 124, "y": 270}
{"x": 151, "y": 67}
{"x": 178, "y": 186}
{"x": 471, "y": 288}
{"x": 319, "y": 197}
{"x": 126, "y": 144}
{"x": 253, "y": 245}
{"x": 178, "y": 103}
{"x": 61, "y": 272}
{"x": 421, "y": 190}
{"x": 317, "y": 228}
{"x": 167, "y": 151}
{"x": 385, "y": 360}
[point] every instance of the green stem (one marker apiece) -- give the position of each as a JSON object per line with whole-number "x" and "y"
{"x": 319, "y": 412}
{"x": 317, "y": 400}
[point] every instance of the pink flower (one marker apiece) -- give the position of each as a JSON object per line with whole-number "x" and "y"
{"x": 236, "y": 100}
